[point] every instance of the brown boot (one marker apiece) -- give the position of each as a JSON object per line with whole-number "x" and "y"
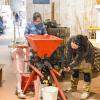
{"x": 85, "y": 95}
{"x": 72, "y": 89}
{"x": 74, "y": 83}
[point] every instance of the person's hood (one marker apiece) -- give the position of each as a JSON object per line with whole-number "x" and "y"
{"x": 80, "y": 40}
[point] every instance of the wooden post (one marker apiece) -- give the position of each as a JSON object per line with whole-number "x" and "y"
{"x": 37, "y": 88}
{"x": 53, "y": 11}
{"x": 58, "y": 85}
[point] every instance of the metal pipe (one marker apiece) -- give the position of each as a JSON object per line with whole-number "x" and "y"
{"x": 58, "y": 85}
{"x": 36, "y": 70}
{"x": 37, "y": 88}
{"x": 57, "y": 73}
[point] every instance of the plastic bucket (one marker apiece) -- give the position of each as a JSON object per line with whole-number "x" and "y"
{"x": 50, "y": 93}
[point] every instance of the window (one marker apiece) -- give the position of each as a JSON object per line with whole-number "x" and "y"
{"x": 41, "y": 1}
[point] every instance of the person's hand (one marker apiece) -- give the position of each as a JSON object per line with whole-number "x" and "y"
{"x": 67, "y": 69}
{"x": 20, "y": 72}
{"x": 33, "y": 34}
{"x": 42, "y": 77}
{"x": 64, "y": 69}
{"x": 46, "y": 34}
{"x": 12, "y": 58}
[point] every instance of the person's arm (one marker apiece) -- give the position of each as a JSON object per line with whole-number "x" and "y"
{"x": 68, "y": 53}
{"x": 68, "y": 57}
{"x": 66, "y": 67}
{"x": 44, "y": 31}
{"x": 27, "y": 30}
{"x": 80, "y": 56}
{"x": 13, "y": 54}
{"x": 77, "y": 61}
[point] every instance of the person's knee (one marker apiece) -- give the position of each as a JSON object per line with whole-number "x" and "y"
{"x": 75, "y": 74}
{"x": 87, "y": 77}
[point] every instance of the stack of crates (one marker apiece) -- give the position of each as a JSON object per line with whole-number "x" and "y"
{"x": 63, "y": 32}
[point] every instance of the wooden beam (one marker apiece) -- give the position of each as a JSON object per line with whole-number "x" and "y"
{"x": 53, "y": 11}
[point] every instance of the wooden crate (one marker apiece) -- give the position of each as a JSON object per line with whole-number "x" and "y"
{"x": 63, "y": 32}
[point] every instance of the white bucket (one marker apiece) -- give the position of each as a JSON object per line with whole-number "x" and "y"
{"x": 50, "y": 93}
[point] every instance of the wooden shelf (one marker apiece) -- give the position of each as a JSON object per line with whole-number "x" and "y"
{"x": 93, "y": 28}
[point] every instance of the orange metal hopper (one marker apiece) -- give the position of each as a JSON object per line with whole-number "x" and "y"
{"x": 44, "y": 45}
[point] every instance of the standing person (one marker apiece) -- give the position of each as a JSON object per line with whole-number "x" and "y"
{"x": 16, "y": 17}
{"x": 36, "y": 26}
{"x": 18, "y": 56}
{"x": 1, "y": 25}
{"x": 81, "y": 55}
{"x": 20, "y": 18}
{"x": 13, "y": 17}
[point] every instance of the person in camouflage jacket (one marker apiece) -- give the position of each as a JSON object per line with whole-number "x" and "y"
{"x": 81, "y": 55}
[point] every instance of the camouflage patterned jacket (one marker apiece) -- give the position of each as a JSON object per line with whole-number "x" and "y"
{"x": 75, "y": 57}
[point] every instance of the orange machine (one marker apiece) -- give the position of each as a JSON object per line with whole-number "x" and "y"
{"x": 44, "y": 46}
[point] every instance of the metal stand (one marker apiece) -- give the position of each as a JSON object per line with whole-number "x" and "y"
{"x": 36, "y": 75}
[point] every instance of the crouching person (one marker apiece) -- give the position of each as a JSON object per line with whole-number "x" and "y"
{"x": 18, "y": 55}
{"x": 80, "y": 56}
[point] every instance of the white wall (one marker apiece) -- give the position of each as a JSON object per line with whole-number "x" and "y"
{"x": 76, "y": 14}
{"x": 16, "y": 5}
{"x": 45, "y": 10}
